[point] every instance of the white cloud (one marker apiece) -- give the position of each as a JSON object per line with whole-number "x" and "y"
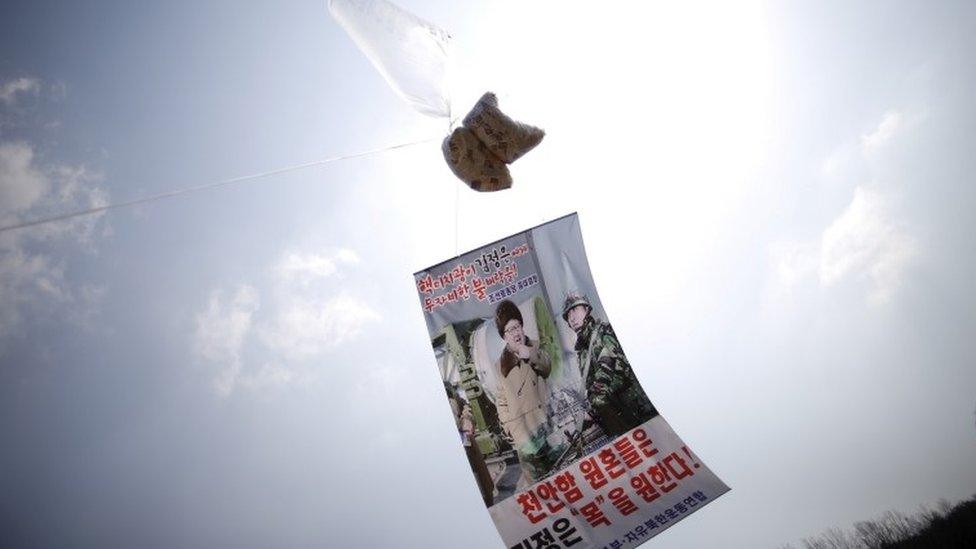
{"x": 26, "y": 280}
{"x": 11, "y": 89}
{"x": 72, "y": 188}
{"x": 864, "y": 242}
{"x": 306, "y": 329}
{"x": 890, "y": 123}
{"x": 834, "y": 163}
{"x": 32, "y": 279}
{"x": 308, "y": 267}
{"x": 856, "y": 159}
{"x": 303, "y": 316}
{"x": 792, "y": 263}
{"x": 21, "y": 184}
{"x": 221, "y": 332}
{"x": 310, "y": 319}
{"x": 33, "y": 285}
{"x": 269, "y": 375}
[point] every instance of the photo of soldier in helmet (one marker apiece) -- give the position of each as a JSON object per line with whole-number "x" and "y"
{"x": 617, "y": 401}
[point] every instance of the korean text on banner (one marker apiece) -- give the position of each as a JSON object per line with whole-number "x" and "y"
{"x": 566, "y": 448}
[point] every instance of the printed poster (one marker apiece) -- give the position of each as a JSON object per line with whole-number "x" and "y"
{"x": 566, "y": 448}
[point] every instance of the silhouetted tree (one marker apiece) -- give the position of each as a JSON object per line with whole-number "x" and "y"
{"x": 944, "y": 526}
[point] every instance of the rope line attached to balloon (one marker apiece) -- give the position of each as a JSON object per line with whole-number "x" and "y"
{"x": 204, "y": 187}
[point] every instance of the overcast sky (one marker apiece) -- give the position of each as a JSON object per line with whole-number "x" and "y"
{"x": 776, "y": 202}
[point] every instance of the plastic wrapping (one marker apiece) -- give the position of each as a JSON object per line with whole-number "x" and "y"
{"x": 480, "y": 150}
{"x": 504, "y": 137}
{"x": 410, "y": 53}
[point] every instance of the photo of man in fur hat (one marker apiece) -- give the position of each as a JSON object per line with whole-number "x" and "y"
{"x": 523, "y": 394}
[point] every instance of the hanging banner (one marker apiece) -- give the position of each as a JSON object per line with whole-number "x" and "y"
{"x": 566, "y": 448}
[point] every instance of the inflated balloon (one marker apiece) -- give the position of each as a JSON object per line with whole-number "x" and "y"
{"x": 412, "y": 55}
{"x": 409, "y": 52}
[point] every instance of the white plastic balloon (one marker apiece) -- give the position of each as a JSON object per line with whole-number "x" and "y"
{"x": 409, "y": 52}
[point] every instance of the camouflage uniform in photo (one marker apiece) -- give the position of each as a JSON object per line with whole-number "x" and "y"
{"x": 616, "y": 398}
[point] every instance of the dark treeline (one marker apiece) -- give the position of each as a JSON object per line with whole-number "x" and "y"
{"x": 943, "y": 527}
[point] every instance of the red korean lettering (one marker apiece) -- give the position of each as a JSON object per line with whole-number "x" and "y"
{"x": 566, "y": 483}
{"x": 459, "y": 272}
{"x": 547, "y": 493}
{"x": 480, "y": 288}
{"x": 681, "y": 470}
{"x": 661, "y": 476}
{"x": 610, "y": 462}
{"x": 463, "y": 292}
{"x": 644, "y": 488}
{"x": 592, "y": 473}
{"x": 623, "y": 503}
{"x": 531, "y": 507}
{"x": 644, "y": 443}
{"x": 594, "y": 515}
{"x": 628, "y": 452}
